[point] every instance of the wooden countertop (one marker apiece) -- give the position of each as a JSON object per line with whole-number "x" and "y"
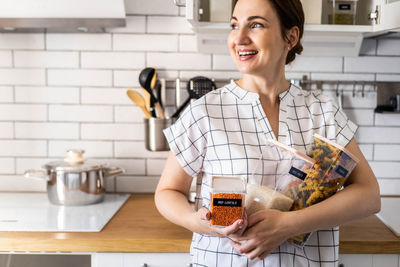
{"x": 138, "y": 227}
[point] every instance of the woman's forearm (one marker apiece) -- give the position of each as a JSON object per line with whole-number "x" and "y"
{"x": 174, "y": 206}
{"x": 354, "y": 202}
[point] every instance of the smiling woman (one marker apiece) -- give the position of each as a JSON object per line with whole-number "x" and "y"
{"x": 224, "y": 132}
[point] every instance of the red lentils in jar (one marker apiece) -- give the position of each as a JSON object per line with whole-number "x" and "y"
{"x": 227, "y": 200}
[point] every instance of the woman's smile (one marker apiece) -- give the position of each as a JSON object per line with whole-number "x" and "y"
{"x": 246, "y": 54}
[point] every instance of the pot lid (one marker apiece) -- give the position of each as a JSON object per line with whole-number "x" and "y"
{"x": 74, "y": 162}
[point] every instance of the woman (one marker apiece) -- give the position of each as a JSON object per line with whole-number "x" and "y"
{"x": 223, "y": 134}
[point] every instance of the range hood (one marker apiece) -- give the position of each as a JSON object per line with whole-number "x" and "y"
{"x": 61, "y": 15}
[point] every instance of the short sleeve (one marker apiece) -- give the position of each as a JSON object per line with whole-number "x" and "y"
{"x": 345, "y": 128}
{"x": 188, "y": 142}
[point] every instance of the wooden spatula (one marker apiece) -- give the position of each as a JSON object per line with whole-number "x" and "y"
{"x": 138, "y": 99}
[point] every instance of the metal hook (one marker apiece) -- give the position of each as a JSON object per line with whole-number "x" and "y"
{"x": 337, "y": 88}
{"x": 354, "y": 88}
{"x": 362, "y": 89}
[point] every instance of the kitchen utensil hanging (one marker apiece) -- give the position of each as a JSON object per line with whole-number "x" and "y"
{"x": 138, "y": 99}
{"x": 196, "y": 88}
{"x": 148, "y": 80}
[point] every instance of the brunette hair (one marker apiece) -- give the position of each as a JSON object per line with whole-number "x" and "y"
{"x": 290, "y": 14}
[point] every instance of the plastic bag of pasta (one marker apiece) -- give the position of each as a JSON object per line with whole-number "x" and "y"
{"x": 280, "y": 167}
{"x": 333, "y": 166}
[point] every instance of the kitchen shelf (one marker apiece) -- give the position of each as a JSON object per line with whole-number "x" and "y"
{"x": 318, "y": 40}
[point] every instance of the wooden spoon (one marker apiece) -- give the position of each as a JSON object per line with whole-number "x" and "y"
{"x": 138, "y": 99}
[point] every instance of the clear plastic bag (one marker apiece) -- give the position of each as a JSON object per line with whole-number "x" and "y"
{"x": 333, "y": 166}
{"x": 227, "y": 200}
{"x": 279, "y": 171}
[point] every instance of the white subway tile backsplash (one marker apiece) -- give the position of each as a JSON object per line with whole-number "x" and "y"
{"x": 367, "y": 150}
{"x": 126, "y": 78}
{"x": 14, "y": 183}
{"x": 155, "y": 166}
{"x": 364, "y": 117}
{"x": 112, "y": 60}
{"x": 80, "y": 77}
{"x": 387, "y": 152}
{"x": 24, "y": 148}
{"x": 145, "y": 42}
{"x": 128, "y": 114}
{"x": 46, "y": 59}
{"x": 131, "y": 166}
{"x": 21, "y": 41}
{"x": 387, "y": 77}
{"x": 388, "y": 47}
{"x": 151, "y": 7}
{"x": 102, "y": 149}
{"x": 167, "y": 24}
{"x": 386, "y": 119}
{"x": 342, "y": 77}
{"x": 372, "y": 64}
{"x": 218, "y": 75}
{"x": 316, "y": 64}
{"x": 22, "y": 76}
{"x": 223, "y": 62}
{"x": 140, "y": 184}
{"x": 378, "y": 135}
{"x": 187, "y": 61}
{"x": 6, "y": 130}
{"x": 385, "y": 169}
{"x": 6, "y": 94}
{"x": 78, "y": 41}
{"x": 104, "y": 96}
{"x": 87, "y": 113}
{"x": 24, "y": 164}
{"x": 134, "y": 24}
{"x": 187, "y": 43}
{"x": 7, "y": 166}
{"x": 389, "y": 187}
{"x": 23, "y": 112}
{"x": 5, "y": 59}
{"x": 112, "y": 131}
{"x": 136, "y": 149}
{"x": 39, "y": 94}
{"x": 46, "y": 130}
{"x": 68, "y": 90}
{"x": 358, "y": 101}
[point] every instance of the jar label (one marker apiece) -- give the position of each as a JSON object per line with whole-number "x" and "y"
{"x": 341, "y": 171}
{"x": 297, "y": 173}
{"x": 227, "y": 202}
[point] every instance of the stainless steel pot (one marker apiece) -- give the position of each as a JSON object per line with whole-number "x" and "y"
{"x": 75, "y": 181}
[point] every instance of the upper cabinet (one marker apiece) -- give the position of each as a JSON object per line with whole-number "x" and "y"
{"x": 333, "y": 27}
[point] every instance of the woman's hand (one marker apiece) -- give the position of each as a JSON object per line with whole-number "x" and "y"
{"x": 266, "y": 230}
{"x": 233, "y": 231}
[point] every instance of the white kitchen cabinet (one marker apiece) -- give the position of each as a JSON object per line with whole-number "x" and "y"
{"x": 369, "y": 260}
{"x": 323, "y": 39}
{"x": 140, "y": 260}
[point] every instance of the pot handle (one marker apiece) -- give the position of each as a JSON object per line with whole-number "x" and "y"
{"x": 36, "y": 174}
{"x": 113, "y": 171}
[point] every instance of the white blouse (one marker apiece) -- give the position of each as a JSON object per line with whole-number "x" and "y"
{"x": 223, "y": 133}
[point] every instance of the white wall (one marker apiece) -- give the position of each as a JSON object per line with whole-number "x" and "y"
{"x": 60, "y": 91}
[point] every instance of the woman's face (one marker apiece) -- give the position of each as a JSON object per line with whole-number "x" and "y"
{"x": 255, "y": 41}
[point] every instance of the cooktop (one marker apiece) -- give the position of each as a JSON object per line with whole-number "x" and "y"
{"x": 33, "y": 212}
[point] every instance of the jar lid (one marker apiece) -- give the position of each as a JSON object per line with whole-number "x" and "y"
{"x": 74, "y": 162}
